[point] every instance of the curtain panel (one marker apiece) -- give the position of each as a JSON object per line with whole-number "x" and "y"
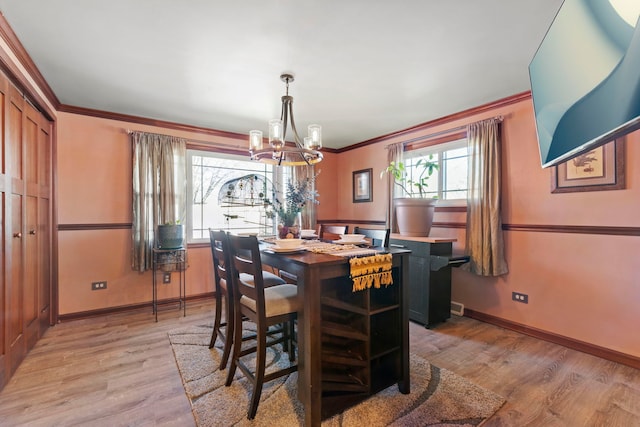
{"x": 484, "y": 240}
{"x": 308, "y": 214}
{"x": 159, "y": 190}
{"x": 394, "y": 154}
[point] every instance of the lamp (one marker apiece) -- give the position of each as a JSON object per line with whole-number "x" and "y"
{"x": 304, "y": 152}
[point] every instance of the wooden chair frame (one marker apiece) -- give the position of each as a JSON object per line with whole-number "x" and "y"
{"x": 250, "y": 303}
{"x": 378, "y": 236}
{"x": 332, "y": 232}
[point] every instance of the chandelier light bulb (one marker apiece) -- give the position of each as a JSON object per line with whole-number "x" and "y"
{"x": 255, "y": 140}
{"x": 308, "y": 142}
{"x": 275, "y": 133}
{"x": 315, "y": 133}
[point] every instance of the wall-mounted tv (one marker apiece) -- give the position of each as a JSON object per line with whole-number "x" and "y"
{"x": 585, "y": 77}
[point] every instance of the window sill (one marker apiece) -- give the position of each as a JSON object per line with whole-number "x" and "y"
{"x": 452, "y": 203}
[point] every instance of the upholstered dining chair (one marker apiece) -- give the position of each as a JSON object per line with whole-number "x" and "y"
{"x": 378, "y": 236}
{"x": 332, "y": 232}
{"x": 219, "y": 252}
{"x": 224, "y": 290}
{"x": 264, "y": 306}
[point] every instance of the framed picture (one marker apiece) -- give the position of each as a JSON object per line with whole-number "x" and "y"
{"x": 362, "y": 186}
{"x": 596, "y": 170}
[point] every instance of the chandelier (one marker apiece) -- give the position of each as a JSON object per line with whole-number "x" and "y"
{"x": 304, "y": 152}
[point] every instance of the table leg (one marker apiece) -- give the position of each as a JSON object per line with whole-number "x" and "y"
{"x": 183, "y": 283}
{"x": 309, "y": 342}
{"x": 404, "y": 385}
{"x": 154, "y": 297}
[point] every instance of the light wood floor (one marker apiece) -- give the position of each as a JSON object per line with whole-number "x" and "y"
{"x": 119, "y": 370}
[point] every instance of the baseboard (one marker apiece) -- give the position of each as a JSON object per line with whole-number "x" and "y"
{"x": 126, "y": 308}
{"x": 585, "y": 347}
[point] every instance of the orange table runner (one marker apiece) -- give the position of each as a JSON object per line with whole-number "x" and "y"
{"x": 370, "y": 271}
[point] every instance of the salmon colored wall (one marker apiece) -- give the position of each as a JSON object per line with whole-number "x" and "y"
{"x": 94, "y": 187}
{"x": 94, "y": 181}
{"x": 371, "y": 156}
{"x": 327, "y": 187}
{"x": 581, "y": 286}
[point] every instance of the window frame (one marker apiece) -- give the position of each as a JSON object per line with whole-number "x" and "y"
{"x": 439, "y": 149}
{"x": 276, "y": 177}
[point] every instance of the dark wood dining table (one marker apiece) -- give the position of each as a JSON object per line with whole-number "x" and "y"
{"x": 314, "y": 271}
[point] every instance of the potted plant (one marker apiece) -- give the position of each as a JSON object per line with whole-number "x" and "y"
{"x": 289, "y": 208}
{"x": 170, "y": 235}
{"x": 414, "y": 214}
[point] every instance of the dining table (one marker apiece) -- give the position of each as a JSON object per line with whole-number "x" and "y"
{"x": 319, "y": 277}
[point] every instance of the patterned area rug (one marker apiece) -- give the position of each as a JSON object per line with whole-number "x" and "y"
{"x": 438, "y": 397}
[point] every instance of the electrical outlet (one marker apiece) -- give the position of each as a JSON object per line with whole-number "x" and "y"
{"x": 520, "y": 297}
{"x": 166, "y": 278}
{"x": 96, "y": 286}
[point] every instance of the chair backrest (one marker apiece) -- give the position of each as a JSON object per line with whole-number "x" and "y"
{"x": 378, "y": 236}
{"x": 332, "y": 232}
{"x": 244, "y": 255}
{"x": 220, "y": 254}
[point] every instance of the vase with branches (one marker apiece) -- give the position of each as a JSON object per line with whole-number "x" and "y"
{"x": 288, "y": 207}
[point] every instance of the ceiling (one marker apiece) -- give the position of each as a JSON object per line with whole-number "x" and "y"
{"x": 363, "y": 68}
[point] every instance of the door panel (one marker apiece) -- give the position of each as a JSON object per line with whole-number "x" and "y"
{"x": 44, "y": 253}
{"x": 30, "y": 281}
{"x": 4, "y": 367}
{"x": 15, "y": 310}
{"x": 30, "y": 120}
{"x": 5, "y": 184}
{"x": 44, "y": 225}
{"x": 26, "y": 209}
{"x": 15, "y": 299}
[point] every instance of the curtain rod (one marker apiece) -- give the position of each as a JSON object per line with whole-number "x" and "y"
{"x": 198, "y": 141}
{"x": 445, "y": 132}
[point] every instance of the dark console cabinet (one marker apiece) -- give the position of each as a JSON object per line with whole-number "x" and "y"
{"x": 429, "y": 291}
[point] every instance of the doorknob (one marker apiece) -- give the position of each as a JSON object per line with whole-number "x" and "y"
{"x": 32, "y": 232}
{"x": 17, "y": 235}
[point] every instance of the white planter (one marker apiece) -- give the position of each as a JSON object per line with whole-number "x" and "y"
{"x": 414, "y": 216}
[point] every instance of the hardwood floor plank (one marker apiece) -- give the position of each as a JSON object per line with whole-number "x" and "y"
{"x": 119, "y": 370}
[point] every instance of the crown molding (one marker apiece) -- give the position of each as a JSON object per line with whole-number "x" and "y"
{"x": 21, "y": 55}
{"x": 443, "y": 120}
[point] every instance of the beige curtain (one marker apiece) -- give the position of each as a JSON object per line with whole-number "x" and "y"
{"x": 484, "y": 241}
{"x": 308, "y": 214}
{"x": 159, "y": 190}
{"x": 394, "y": 154}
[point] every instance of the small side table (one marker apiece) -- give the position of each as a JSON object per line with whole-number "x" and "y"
{"x": 169, "y": 260}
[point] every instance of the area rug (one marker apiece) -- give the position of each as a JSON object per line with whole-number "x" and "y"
{"x": 438, "y": 397}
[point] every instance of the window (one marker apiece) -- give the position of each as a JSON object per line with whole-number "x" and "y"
{"x": 450, "y": 181}
{"x": 227, "y": 192}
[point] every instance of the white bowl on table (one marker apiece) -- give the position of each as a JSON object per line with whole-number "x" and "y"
{"x": 288, "y": 243}
{"x": 352, "y": 238}
{"x": 307, "y": 232}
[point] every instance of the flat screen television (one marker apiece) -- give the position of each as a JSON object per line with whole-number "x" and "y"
{"x": 585, "y": 77}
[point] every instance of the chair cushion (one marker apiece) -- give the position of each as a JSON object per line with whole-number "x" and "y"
{"x": 268, "y": 278}
{"x": 280, "y": 299}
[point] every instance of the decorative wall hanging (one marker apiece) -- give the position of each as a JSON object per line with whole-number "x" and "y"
{"x": 596, "y": 170}
{"x": 362, "y": 186}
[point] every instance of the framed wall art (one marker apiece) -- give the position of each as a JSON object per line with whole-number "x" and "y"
{"x": 599, "y": 169}
{"x": 362, "y": 186}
